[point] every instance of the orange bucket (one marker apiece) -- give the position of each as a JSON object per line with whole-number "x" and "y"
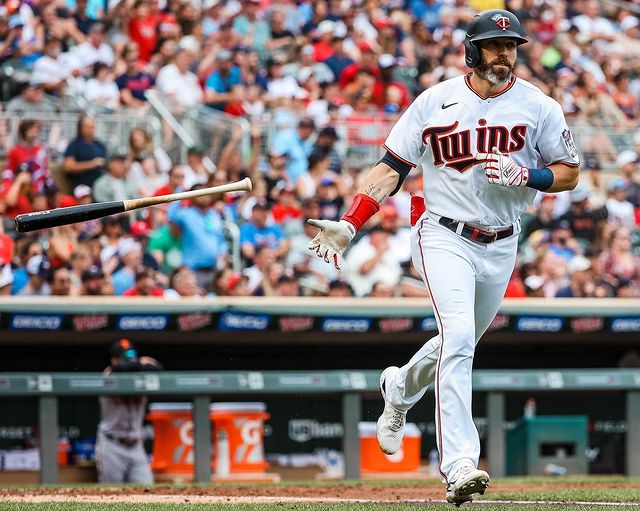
{"x": 172, "y": 438}
{"x": 244, "y": 424}
{"x": 372, "y": 459}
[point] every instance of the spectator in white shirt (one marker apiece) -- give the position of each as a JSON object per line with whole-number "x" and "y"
{"x": 102, "y": 90}
{"x": 94, "y": 49}
{"x": 55, "y": 70}
{"x": 178, "y": 83}
{"x": 592, "y": 25}
{"x": 621, "y": 212}
{"x": 372, "y": 262}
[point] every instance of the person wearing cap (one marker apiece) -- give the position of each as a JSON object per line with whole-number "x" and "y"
{"x": 340, "y": 289}
{"x": 116, "y": 184}
{"x": 130, "y": 255}
{"x": 620, "y": 210}
{"x": 587, "y": 222}
{"x": 85, "y": 156}
{"x": 281, "y": 86}
{"x": 368, "y": 61}
{"x": 389, "y": 90}
{"x": 95, "y": 48}
{"x": 563, "y": 243}
{"x": 582, "y": 284}
{"x": 286, "y": 210}
{"x": 217, "y": 87}
{"x": 257, "y": 232}
{"x": 325, "y": 143}
{"x": 305, "y": 59}
{"x": 203, "y": 245}
{"x": 627, "y": 163}
{"x": 31, "y": 101}
{"x": 298, "y": 145}
{"x": 371, "y": 262}
{"x": 120, "y": 454}
{"x": 39, "y": 269}
{"x": 93, "y": 281}
{"x": 179, "y": 84}
{"x": 287, "y": 285}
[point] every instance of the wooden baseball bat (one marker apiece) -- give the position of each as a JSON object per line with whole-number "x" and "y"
{"x": 65, "y": 216}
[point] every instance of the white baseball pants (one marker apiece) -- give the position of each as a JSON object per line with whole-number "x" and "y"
{"x": 119, "y": 464}
{"x": 467, "y": 282}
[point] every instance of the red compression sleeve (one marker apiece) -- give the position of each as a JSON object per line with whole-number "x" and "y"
{"x": 362, "y": 208}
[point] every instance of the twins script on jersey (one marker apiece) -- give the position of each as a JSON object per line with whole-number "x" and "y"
{"x": 448, "y": 124}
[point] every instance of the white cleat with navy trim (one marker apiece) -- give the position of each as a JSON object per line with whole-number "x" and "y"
{"x": 464, "y": 483}
{"x": 390, "y": 426}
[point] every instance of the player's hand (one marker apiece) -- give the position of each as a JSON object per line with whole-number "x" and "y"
{"x": 502, "y": 170}
{"x": 332, "y": 240}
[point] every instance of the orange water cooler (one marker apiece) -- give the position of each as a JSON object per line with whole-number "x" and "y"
{"x": 172, "y": 440}
{"x": 372, "y": 459}
{"x": 173, "y": 454}
{"x": 244, "y": 427}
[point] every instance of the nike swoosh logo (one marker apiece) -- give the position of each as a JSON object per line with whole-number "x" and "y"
{"x": 444, "y": 107}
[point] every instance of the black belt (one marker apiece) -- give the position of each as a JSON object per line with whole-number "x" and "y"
{"x": 474, "y": 233}
{"x": 127, "y": 442}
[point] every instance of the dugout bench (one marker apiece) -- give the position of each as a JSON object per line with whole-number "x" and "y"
{"x": 351, "y": 385}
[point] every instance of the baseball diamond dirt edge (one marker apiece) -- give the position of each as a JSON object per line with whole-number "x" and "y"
{"x": 64, "y": 216}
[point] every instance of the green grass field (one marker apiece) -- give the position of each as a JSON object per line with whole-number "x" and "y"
{"x": 512, "y": 494}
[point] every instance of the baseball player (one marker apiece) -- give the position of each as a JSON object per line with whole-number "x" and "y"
{"x": 487, "y": 142}
{"x": 120, "y": 454}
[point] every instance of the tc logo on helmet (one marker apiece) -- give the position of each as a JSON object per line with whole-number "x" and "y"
{"x": 502, "y": 21}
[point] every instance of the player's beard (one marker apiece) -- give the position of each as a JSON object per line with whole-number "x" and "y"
{"x": 498, "y": 75}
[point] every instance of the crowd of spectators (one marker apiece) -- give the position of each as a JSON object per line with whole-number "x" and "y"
{"x": 323, "y": 64}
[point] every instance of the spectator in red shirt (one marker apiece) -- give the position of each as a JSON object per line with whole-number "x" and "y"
{"x": 31, "y": 155}
{"x": 287, "y": 206}
{"x": 145, "y": 285}
{"x": 143, "y": 29}
{"x": 368, "y": 61}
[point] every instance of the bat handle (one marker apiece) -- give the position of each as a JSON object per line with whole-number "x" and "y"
{"x": 64, "y": 216}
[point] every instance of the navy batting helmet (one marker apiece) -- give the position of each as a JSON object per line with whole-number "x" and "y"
{"x": 488, "y": 25}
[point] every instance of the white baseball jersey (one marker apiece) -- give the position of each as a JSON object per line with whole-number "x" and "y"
{"x": 448, "y": 124}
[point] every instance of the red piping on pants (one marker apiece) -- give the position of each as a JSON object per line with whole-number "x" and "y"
{"x": 435, "y": 308}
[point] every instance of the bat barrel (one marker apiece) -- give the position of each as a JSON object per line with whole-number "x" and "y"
{"x": 64, "y": 216}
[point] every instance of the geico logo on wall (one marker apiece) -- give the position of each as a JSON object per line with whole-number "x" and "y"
{"x": 538, "y": 324}
{"x": 35, "y": 322}
{"x": 238, "y": 321}
{"x": 625, "y": 325}
{"x": 356, "y": 325}
{"x": 142, "y": 322}
{"x": 303, "y": 430}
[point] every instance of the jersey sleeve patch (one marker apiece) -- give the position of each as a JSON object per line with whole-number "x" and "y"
{"x": 569, "y": 143}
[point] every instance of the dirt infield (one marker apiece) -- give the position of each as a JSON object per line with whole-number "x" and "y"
{"x": 348, "y": 492}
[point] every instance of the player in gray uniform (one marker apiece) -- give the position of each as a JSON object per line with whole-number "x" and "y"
{"x": 120, "y": 454}
{"x": 486, "y": 142}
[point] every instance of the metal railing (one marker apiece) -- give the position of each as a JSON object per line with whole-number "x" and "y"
{"x": 59, "y": 129}
{"x": 351, "y": 385}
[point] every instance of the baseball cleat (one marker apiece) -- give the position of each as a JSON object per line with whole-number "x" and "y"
{"x": 390, "y": 426}
{"x": 464, "y": 483}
